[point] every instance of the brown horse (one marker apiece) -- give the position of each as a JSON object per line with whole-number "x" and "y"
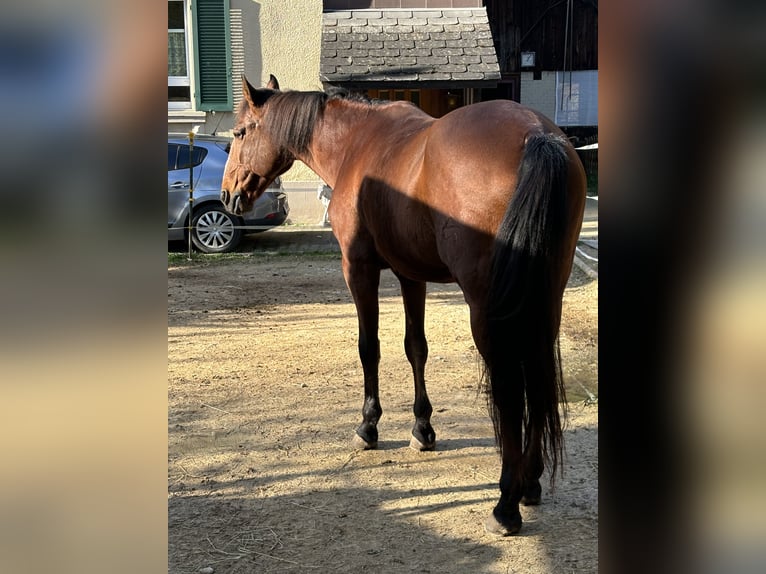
{"x": 490, "y": 196}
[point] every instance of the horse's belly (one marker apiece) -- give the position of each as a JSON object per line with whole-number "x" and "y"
{"x": 420, "y": 264}
{"x": 422, "y": 273}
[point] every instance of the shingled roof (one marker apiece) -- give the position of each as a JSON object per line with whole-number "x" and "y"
{"x": 408, "y": 47}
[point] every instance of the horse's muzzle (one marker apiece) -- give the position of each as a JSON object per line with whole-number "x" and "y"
{"x": 236, "y": 204}
{"x": 232, "y": 203}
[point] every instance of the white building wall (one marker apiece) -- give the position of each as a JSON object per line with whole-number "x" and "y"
{"x": 290, "y": 44}
{"x": 539, "y": 94}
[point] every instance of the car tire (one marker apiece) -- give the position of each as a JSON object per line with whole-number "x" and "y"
{"x": 214, "y": 230}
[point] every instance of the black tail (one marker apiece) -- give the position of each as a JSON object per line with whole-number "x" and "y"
{"x": 522, "y": 364}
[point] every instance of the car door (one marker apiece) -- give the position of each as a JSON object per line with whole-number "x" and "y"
{"x": 180, "y": 159}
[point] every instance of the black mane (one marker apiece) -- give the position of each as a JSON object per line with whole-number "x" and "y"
{"x": 295, "y": 113}
{"x": 293, "y": 117}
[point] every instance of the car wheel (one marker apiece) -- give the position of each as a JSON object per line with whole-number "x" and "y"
{"x": 215, "y": 230}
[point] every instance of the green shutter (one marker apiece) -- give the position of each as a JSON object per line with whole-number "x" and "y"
{"x": 213, "y": 55}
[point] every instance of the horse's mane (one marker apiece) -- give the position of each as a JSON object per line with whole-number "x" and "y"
{"x": 293, "y": 116}
{"x": 295, "y": 113}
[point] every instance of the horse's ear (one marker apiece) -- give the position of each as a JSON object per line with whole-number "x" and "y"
{"x": 255, "y": 98}
{"x": 248, "y": 92}
{"x": 273, "y": 83}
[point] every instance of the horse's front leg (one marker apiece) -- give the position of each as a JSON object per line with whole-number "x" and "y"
{"x": 416, "y": 348}
{"x": 363, "y": 280}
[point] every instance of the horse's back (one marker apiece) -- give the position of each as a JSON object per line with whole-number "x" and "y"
{"x": 431, "y": 193}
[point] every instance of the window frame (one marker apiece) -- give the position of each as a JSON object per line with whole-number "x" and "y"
{"x": 207, "y": 38}
{"x": 182, "y": 81}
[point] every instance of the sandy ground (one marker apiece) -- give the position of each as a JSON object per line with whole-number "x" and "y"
{"x": 265, "y": 391}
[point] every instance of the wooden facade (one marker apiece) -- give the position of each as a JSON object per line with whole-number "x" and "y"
{"x": 562, "y": 33}
{"x": 414, "y": 4}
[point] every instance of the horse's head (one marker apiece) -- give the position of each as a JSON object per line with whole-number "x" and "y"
{"x": 255, "y": 159}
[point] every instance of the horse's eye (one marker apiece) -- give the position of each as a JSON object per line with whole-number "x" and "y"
{"x": 238, "y": 133}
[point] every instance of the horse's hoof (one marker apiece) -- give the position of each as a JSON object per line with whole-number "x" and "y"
{"x": 494, "y": 526}
{"x": 360, "y": 444}
{"x": 415, "y": 444}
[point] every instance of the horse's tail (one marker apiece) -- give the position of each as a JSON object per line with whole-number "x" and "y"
{"x": 522, "y": 364}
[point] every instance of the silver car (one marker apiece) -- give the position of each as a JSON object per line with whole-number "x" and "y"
{"x": 214, "y": 229}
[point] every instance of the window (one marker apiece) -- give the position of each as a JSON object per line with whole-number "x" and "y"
{"x": 197, "y": 155}
{"x": 406, "y": 95}
{"x": 172, "y": 156}
{"x": 179, "y": 84}
{"x": 199, "y": 55}
{"x": 179, "y": 156}
{"x": 577, "y": 98}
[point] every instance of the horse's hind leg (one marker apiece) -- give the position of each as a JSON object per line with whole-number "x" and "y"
{"x": 416, "y": 348}
{"x": 505, "y": 519}
{"x": 519, "y": 481}
{"x": 363, "y": 280}
{"x": 508, "y": 405}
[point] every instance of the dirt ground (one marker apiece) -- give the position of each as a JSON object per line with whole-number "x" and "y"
{"x": 265, "y": 391}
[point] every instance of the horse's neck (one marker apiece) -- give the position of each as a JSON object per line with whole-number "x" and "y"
{"x": 333, "y": 137}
